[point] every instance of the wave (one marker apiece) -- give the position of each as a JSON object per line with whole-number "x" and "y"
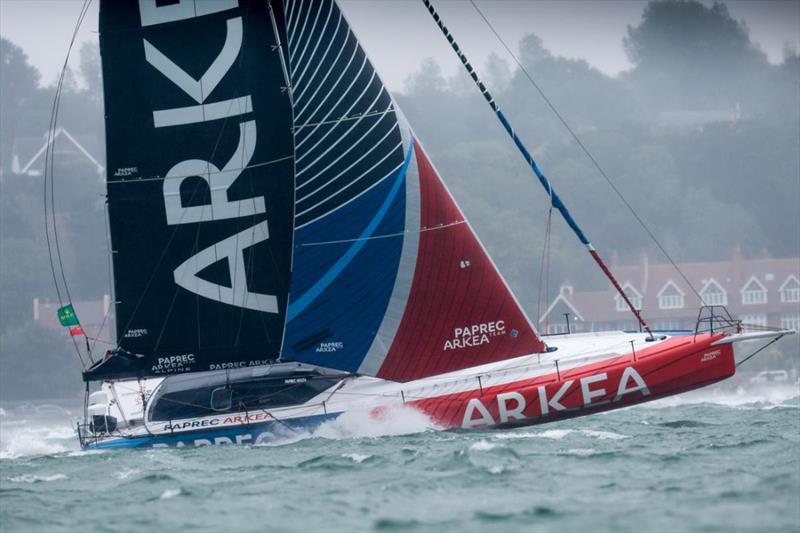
{"x": 358, "y": 424}
{"x": 766, "y": 396}
{"x": 169, "y": 494}
{"x": 678, "y": 424}
{"x": 32, "y": 478}
{"x": 26, "y": 440}
{"x": 482, "y": 446}
{"x": 390, "y": 422}
{"x": 558, "y": 434}
{"x": 357, "y": 458}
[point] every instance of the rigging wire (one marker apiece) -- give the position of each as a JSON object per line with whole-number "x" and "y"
{"x": 544, "y": 267}
{"x": 49, "y": 187}
{"x": 587, "y": 152}
{"x": 110, "y": 275}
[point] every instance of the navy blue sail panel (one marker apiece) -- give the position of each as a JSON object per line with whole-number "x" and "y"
{"x": 350, "y": 187}
{"x": 200, "y": 182}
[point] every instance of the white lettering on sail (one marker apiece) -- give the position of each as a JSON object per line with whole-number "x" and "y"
{"x": 180, "y": 116}
{"x": 152, "y": 14}
{"x": 231, "y": 250}
{"x": 218, "y": 182}
{"x": 200, "y": 89}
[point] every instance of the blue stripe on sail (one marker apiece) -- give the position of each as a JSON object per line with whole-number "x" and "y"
{"x": 300, "y": 304}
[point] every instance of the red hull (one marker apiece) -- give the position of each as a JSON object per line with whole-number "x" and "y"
{"x": 674, "y": 366}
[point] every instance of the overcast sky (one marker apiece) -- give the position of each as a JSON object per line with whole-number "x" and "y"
{"x": 399, "y": 34}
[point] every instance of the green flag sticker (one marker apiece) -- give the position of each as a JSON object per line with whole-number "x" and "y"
{"x": 67, "y": 316}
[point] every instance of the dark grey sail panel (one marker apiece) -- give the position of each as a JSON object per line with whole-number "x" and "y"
{"x": 200, "y": 183}
{"x": 346, "y": 133}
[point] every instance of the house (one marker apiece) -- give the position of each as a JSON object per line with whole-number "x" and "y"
{"x": 763, "y": 292}
{"x": 28, "y": 153}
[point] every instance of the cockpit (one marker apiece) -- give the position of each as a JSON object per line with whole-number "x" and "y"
{"x": 239, "y": 390}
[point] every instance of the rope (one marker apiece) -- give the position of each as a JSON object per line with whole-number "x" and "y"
{"x": 49, "y": 188}
{"x": 386, "y": 236}
{"x": 357, "y": 116}
{"x": 588, "y": 153}
{"x": 544, "y": 267}
{"x": 743, "y": 361}
{"x": 555, "y": 200}
{"x": 161, "y": 178}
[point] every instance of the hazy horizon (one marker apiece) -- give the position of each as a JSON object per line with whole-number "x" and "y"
{"x": 42, "y": 28}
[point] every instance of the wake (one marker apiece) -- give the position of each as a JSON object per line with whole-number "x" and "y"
{"x": 29, "y": 433}
{"x": 749, "y": 396}
{"x": 360, "y": 424}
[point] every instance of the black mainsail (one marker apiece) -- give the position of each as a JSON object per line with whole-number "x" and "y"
{"x": 200, "y": 183}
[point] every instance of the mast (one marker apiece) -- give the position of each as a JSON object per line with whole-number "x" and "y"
{"x": 555, "y": 199}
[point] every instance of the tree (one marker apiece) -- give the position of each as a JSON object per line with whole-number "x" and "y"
{"x": 91, "y": 72}
{"x": 689, "y": 55}
{"x": 18, "y": 85}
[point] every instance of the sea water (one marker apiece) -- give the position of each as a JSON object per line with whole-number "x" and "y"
{"x": 708, "y": 461}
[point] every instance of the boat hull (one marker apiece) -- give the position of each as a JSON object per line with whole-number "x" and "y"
{"x": 666, "y": 368}
{"x": 680, "y": 366}
{"x": 251, "y": 433}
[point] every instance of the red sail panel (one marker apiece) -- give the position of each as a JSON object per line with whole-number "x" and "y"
{"x": 459, "y": 313}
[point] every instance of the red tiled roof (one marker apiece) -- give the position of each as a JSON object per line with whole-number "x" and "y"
{"x": 732, "y": 276}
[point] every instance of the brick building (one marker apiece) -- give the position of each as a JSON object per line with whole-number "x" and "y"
{"x": 763, "y": 291}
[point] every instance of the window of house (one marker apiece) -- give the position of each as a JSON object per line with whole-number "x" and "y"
{"x": 754, "y": 292}
{"x": 714, "y": 294}
{"x": 790, "y": 290}
{"x": 633, "y": 296}
{"x": 557, "y": 328}
{"x": 790, "y": 321}
{"x": 667, "y": 324}
{"x": 755, "y": 320}
{"x": 670, "y": 297}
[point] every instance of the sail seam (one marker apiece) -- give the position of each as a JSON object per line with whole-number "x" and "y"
{"x": 292, "y": 11}
{"x": 336, "y": 143}
{"x": 156, "y": 178}
{"x": 293, "y": 40}
{"x": 338, "y": 207}
{"x": 314, "y": 27}
{"x": 351, "y": 183}
{"x": 388, "y": 235}
{"x": 325, "y": 136}
{"x": 343, "y": 95}
{"x": 325, "y": 54}
{"x": 353, "y": 164}
{"x": 353, "y": 144}
{"x": 357, "y": 116}
{"x": 333, "y": 85}
{"x": 328, "y": 73}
